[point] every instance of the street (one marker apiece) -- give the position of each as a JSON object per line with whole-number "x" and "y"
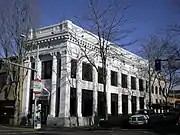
{"x": 5, "y": 130}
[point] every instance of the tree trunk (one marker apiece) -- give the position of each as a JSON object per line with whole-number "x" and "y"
{"x": 104, "y": 88}
{"x": 18, "y": 93}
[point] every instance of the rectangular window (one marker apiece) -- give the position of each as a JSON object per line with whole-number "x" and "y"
{"x": 73, "y": 102}
{"x": 57, "y": 101}
{"x": 113, "y": 78}
{"x": 125, "y": 104}
{"x": 124, "y": 81}
{"x": 133, "y": 83}
{"x": 100, "y": 75}
{"x": 87, "y": 72}
{"x": 3, "y": 78}
{"x": 160, "y": 90}
{"x": 152, "y": 89}
{"x": 100, "y": 103}
{"x": 141, "y": 101}
{"x": 134, "y": 106}
{"x": 141, "y": 88}
{"x": 47, "y": 69}
{"x": 87, "y": 102}
{"x": 147, "y": 83}
{"x": 32, "y": 71}
{"x": 73, "y": 68}
{"x": 114, "y": 104}
{"x": 156, "y": 90}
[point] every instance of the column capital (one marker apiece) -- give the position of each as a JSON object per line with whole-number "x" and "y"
{"x": 54, "y": 54}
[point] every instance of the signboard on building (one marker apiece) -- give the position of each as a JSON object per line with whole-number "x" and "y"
{"x": 37, "y": 86}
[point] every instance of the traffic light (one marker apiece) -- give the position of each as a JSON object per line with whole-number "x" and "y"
{"x": 158, "y": 64}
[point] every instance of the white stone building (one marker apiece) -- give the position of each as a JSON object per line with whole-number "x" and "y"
{"x": 74, "y": 85}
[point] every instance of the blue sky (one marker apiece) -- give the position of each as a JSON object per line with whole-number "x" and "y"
{"x": 148, "y": 16}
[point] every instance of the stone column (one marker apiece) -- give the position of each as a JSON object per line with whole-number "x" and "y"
{"x": 38, "y": 67}
{"x": 137, "y": 104}
{"x": 95, "y": 91}
{"x": 26, "y": 88}
{"x": 129, "y": 104}
{"x": 64, "y": 106}
{"x": 79, "y": 89}
{"x": 53, "y": 86}
{"x": 108, "y": 90}
{"x": 119, "y": 94}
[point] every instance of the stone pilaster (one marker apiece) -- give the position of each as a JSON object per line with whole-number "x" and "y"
{"x": 53, "y": 86}
{"x": 79, "y": 89}
{"x": 129, "y": 104}
{"x": 26, "y": 88}
{"x": 95, "y": 91}
{"x": 108, "y": 83}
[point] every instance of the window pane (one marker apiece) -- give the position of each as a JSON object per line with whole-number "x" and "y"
{"x": 141, "y": 88}
{"x": 100, "y": 75}
{"x": 124, "y": 80}
{"x": 47, "y": 69}
{"x": 73, "y": 102}
{"x": 113, "y": 78}
{"x": 133, "y": 83}
{"x": 87, "y": 102}
{"x": 73, "y": 68}
{"x": 87, "y": 72}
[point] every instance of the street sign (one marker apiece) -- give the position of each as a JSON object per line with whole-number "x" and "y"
{"x": 37, "y": 86}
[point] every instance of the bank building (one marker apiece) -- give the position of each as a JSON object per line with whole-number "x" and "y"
{"x": 73, "y": 85}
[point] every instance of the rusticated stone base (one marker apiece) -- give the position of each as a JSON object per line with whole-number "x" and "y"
{"x": 69, "y": 121}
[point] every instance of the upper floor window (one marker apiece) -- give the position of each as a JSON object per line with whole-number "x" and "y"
{"x": 152, "y": 88}
{"x": 113, "y": 78}
{"x": 156, "y": 90}
{"x": 73, "y": 68}
{"x": 100, "y": 75}
{"x": 87, "y": 71}
{"x": 124, "y": 80}
{"x": 32, "y": 71}
{"x": 133, "y": 83}
{"x": 3, "y": 78}
{"x": 141, "y": 88}
{"x": 147, "y": 84}
{"x": 47, "y": 69}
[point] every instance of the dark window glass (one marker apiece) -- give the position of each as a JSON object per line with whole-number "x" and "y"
{"x": 124, "y": 81}
{"x": 141, "y": 88}
{"x": 133, "y": 83}
{"x": 59, "y": 68}
{"x": 3, "y": 78}
{"x": 147, "y": 83}
{"x": 32, "y": 72}
{"x": 113, "y": 78}
{"x": 156, "y": 101}
{"x": 100, "y": 103}
{"x": 100, "y": 75}
{"x": 47, "y": 69}
{"x": 87, "y": 102}
{"x": 73, "y": 102}
{"x": 87, "y": 72}
{"x": 134, "y": 106}
{"x": 152, "y": 89}
{"x": 160, "y": 90}
{"x": 114, "y": 104}
{"x": 141, "y": 101}
{"x": 156, "y": 90}
{"x": 73, "y": 68}
{"x": 125, "y": 104}
{"x": 57, "y": 101}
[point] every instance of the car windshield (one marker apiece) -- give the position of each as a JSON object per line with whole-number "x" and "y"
{"x": 145, "y": 112}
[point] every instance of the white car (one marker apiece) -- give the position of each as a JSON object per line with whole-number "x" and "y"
{"x": 141, "y": 117}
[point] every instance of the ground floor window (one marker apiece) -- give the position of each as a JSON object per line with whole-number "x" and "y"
{"x": 100, "y": 103}
{"x": 125, "y": 104}
{"x": 141, "y": 101}
{"x": 73, "y": 102}
{"x": 87, "y": 102}
{"x": 134, "y": 108}
{"x": 114, "y": 104}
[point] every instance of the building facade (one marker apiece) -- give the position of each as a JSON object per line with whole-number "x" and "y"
{"x": 75, "y": 86}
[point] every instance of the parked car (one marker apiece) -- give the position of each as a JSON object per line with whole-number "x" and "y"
{"x": 141, "y": 117}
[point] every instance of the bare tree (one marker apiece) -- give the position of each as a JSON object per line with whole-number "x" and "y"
{"x": 16, "y": 20}
{"x": 159, "y": 48}
{"x": 108, "y": 27}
